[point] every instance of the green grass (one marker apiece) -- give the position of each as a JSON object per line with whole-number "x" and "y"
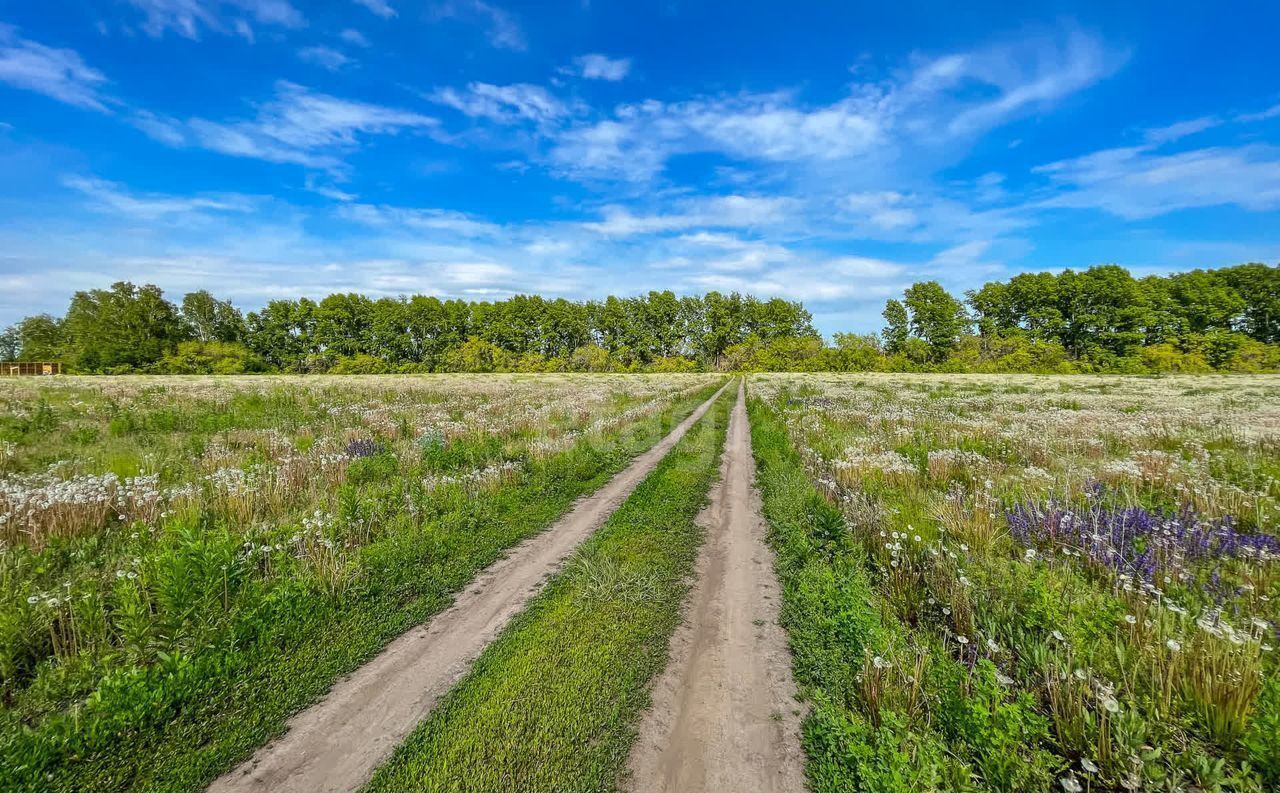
{"x": 932, "y": 665}
{"x": 176, "y": 723}
{"x": 552, "y": 705}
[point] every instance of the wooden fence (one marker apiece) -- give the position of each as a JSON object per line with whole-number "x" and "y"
{"x": 29, "y": 368}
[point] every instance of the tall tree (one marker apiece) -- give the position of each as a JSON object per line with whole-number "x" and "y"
{"x": 897, "y": 326}
{"x": 211, "y": 319}
{"x": 936, "y": 317}
{"x": 124, "y": 326}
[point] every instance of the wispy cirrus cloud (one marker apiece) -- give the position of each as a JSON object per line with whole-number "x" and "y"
{"x": 57, "y": 73}
{"x": 1140, "y": 182}
{"x": 298, "y": 126}
{"x": 380, "y": 7}
{"x": 733, "y": 211}
{"x": 501, "y": 28}
{"x": 429, "y": 220}
{"x": 937, "y": 104}
{"x": 324, "y": 57}
{"x": 504, "y": 104}
{"x": 118, "y": 199}
{"x": 189, "y": 18}
{"x": 354, "y": 37}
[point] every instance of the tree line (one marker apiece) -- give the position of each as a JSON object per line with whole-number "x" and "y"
{"x": 1097, "y": 320}
{"x": 128, "y": 328}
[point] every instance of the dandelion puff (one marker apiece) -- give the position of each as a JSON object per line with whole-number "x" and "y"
{"x": 1071, "y": 785}
{"x": 1174, "y": 645}
{"x": 1058, "y": 635}
{"x": 1089, "y": 765}
{"x": 963, "y": 640}
{"x": 1030, "y": 555}
{"x": 1129, "y": 618}
{"x": 34, "y": 599}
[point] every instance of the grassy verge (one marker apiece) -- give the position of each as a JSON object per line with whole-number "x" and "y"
{"x": 834, "y": 620}
{"x": 176, "y": 724}
{"x": 553, "y": 704}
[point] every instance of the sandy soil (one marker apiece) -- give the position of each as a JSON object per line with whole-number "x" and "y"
{"x": 336, "y": 744}
{"x": 724, "y": 714}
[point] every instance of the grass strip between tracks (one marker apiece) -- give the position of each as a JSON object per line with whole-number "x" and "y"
{"x": 553, "y": 704}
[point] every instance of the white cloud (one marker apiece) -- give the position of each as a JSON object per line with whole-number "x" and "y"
{"x": 354, "y": 37}
{"x": 1033, "y": 72}
{"x": 416, "y": 220}
{"x": 188, "y": 18}
{"x": 884, "y": 210}
{"x": 380, "y": 7}
{"x": 57, "y": 73}
{"x": 504, "y": 104}
{"x": 1271, "y": 112}
{"x": 1138, "y": 182}
{"x": 113, "y": 197}
{"x": 732, "y": 211}
{"x": 324, "y": 57}
{"x": 595, "y": 66}
{"x": 501, "y": 28}
{"x": 299, "y": 126}
{"x": 930, "y": 217}
{"x": 841, "y": 278}
{"x": 936, "y": 106}
{"x": 1181, "y": 130}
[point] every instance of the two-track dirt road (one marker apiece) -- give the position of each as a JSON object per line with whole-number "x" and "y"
{"x": 724, "y": 715}
{"x": 336, "y": 744}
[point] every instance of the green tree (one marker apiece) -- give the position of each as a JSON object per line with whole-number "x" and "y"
{"x": 283, "y": 332}
{"x": 936, "y": 317}
{"x": 41, "y": 338}
{"x": 210, "y": 319}
{"x": 897, "y": 326}
{"x": 124, "y": 327}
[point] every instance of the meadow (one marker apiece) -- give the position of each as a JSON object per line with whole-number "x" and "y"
{"x": 186, "y": 561}
{"x": 1028, "y": 583}
{"x": 1015, "y": 583}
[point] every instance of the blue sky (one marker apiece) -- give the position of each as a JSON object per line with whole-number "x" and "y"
{"x": 466, "y": 148}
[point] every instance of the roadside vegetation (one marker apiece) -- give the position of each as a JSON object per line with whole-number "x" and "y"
{"x": 184, "y": 564}
{"x": 553, "y": 704}
{"x": 1028, "y": 585}
{"x": 1099, "y": 320}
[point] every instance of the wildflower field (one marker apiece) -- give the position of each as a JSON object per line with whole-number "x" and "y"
{"x": 186, "y": 562}
{"x": 1028, "y": 583}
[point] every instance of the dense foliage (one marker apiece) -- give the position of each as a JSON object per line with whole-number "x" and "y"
{"x": 1097, "y": 320}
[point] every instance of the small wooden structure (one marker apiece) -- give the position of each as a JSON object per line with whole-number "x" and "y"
{"x": 29, "y": 368}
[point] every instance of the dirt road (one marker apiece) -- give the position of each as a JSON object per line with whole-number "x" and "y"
{"x": 724, "y": 715}
{"x": 336, "y": 744}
